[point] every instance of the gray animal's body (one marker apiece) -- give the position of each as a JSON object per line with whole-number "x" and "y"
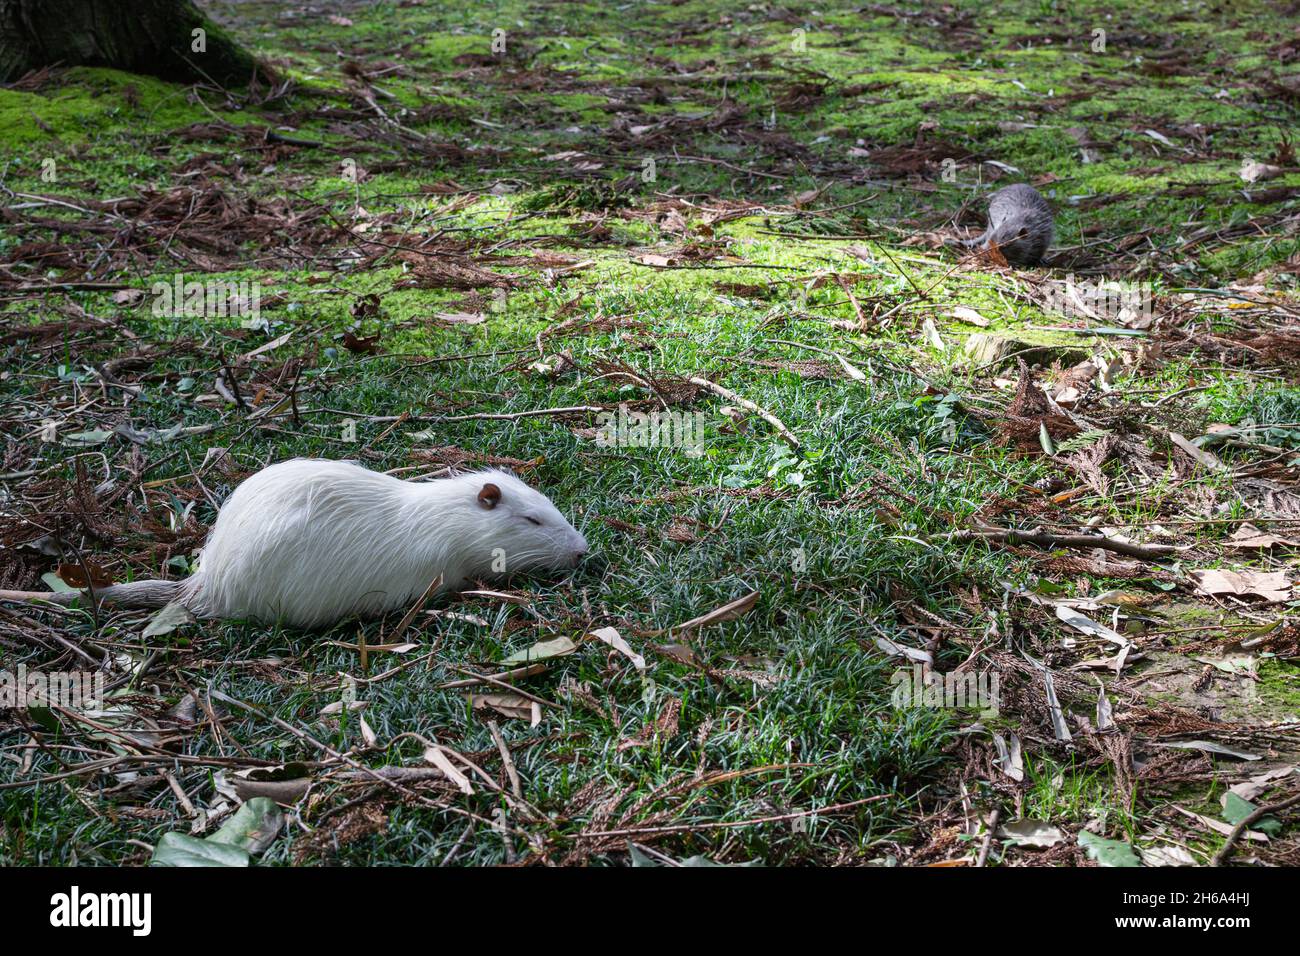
{"x": 1020, "y": 225}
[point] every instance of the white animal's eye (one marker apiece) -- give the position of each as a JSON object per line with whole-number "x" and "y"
{"x": 533, "y": 520}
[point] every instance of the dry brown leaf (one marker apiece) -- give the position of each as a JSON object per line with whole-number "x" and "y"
{"x": 509, "y": 705}
{"x": 610, "y": 636}
{"x": 435, "y": 756}
{"x": 128, "y": 296}
{"x": 74, "y": 575}
{"x": 460, "y": 318}
{"x": 1253, "y": 172}
{"x": 503, "y": 596}
{"x": 1199, "y": 455}
{"x": 970, "y": 316}
{"x": 728, "y": 612}
{"x": 1269, "y": 585}
{"x": 1248, "y": 536}
{"x": 655, "y": 261}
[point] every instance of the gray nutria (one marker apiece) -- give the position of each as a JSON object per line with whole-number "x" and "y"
{"x": 1020, "y": 225}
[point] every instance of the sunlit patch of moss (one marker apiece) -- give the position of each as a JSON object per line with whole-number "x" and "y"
{"x": 87, "y": 103}
{"x": 1279, "y": 685}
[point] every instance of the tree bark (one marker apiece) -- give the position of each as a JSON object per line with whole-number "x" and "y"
{"x": 156, "y": 37}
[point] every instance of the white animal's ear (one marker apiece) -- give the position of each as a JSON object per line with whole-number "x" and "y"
{"x": 489, "y": 496}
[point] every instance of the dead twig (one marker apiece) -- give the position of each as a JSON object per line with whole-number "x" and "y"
{"x": 512, "y": 416}
{"x": 991, "y": 828}
{"x": 785, "y": 433}
{"x": 506, "y": 760}
{"x": 1045, "y": 539}
{"x": 729, "y": 824}
{"x": 1254, "y": 816}
{"x": 330, "y": 751}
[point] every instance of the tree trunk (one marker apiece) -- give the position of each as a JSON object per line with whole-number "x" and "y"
{"x": 157, "y": 37}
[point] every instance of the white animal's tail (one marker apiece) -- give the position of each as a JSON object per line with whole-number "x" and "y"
{"x": 132, "y": 594}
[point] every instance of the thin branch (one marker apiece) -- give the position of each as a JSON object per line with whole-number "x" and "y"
{"x": 1045, "y": 539}
{"x": 763, "y": 413}
{"x": 1254, "y": 816}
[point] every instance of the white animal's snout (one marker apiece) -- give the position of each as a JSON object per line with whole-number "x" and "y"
{"x": 580, "y": 548}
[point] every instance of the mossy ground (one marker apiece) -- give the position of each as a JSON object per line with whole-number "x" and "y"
{"x": 785, "y": 116}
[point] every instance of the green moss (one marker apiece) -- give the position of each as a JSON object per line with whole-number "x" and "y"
{"x": 1279, "y": 686}
{"x": 88, "y": 103}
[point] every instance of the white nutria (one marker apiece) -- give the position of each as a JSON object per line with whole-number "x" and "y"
{"x": 1020, "y": 225}
{"x": 309, "y": 542}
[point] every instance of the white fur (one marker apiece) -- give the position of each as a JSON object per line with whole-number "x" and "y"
{"x": 310, "y": 542}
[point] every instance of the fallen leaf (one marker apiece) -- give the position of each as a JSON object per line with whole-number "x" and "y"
{"x": 1218, "y": 826}
{"x": 1059, "y": 726}
{"x": 1199, "y": 455}
{"x": 969, "y": 316}
{"x": 497, "y": 596}
{"x": 1161, "y": 138}
{"x": 902, "y": 650}
{"x": 97, "y": 437}
{"x": 850, "y": 369}
{"x": 253, "y": 827}
{"x": 1045, "y": 440}
{"x": 1009, "y": 759}
{"x": 56, "y": 583}
{"x": 1166, "y": 856}
{"x": 128, "y": 296}
{"x": 610, "y": 636}
{"x": 1248, "y": 536}
{"x": 1037, "y": 833}
{"x": 640, "y": 857}
{"x": 1209, "y": 746}
{"x": 368, "y": 735}
{"x": 728, "y": 612}
{"x": 435, "y": 756}
{"x": 329, "y": 710}
{"x": 509, "y": 705}
{"x": 1108, "y": 852}
{"x": 931, "y": 333}
{"x": 460, "y": 318}
{"x": 1258, "y": 784}
{"x": 1105, "y": 715}
{"x": 1236, "y": 809}
{"x": 285, "y": 785}
{"x": 678, "y": 652}
{"x": 74, "y": 575}
{"x": 172, "y": 616}
{"x": 1269, "y": 585}
{"x": 1087, "y": 625}
{"x": 542, "y": 650}
{"x": 1253, "y": 172}
{"x": 180, "y": 849}
{"x": 1234, "y": 664}
{"x": 360, "y": 344}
